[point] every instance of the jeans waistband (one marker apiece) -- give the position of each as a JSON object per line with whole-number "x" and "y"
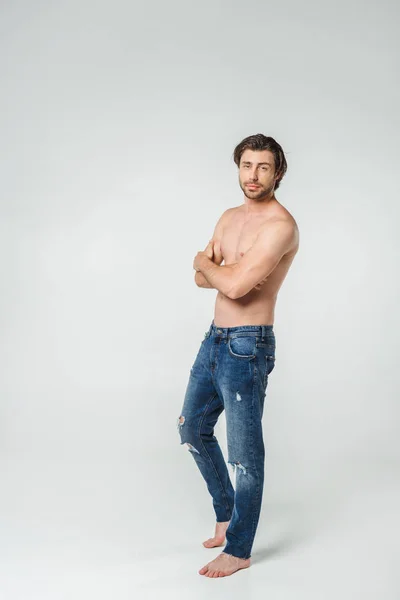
{"x": 261, "y": 330}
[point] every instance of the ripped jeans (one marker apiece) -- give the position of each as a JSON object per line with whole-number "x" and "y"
{"x": 230, "y": 372}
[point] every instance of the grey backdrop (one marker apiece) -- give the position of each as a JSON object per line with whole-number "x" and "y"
{"x": 118, "y": 123}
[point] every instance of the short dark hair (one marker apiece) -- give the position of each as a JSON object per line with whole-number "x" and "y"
{"x": 262, "y": 142}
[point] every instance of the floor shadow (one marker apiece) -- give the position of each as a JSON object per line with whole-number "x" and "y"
{"x": 276, "y": 549}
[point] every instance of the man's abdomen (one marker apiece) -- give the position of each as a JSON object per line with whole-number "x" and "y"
{"x": 255, "y": 308}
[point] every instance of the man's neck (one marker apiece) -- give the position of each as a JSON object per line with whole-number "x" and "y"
{"x": 253, "y": 207}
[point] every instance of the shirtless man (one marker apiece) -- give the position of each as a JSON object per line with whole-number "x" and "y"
{"x": 257, "y": 241}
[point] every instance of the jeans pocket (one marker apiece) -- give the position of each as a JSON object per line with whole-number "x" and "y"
{"x": 242, "y": 346}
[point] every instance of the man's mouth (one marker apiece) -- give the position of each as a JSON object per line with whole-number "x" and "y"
{"x": 252, "y": 185}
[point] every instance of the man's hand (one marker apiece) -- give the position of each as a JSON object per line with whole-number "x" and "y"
{"x": 200, "y": 280}
{"x": 209, "y": 252}
{"x": 258, "y": 286}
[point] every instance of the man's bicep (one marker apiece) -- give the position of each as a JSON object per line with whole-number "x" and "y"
{"x": 262, "y": 258}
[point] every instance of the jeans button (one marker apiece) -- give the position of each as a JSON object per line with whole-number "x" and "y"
{"x": 219, "y": 331}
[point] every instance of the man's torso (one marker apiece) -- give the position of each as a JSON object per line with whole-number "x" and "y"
{"x": 239, "y": 233}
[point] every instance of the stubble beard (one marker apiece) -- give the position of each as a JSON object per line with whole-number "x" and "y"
{"x": 258, "y": 195}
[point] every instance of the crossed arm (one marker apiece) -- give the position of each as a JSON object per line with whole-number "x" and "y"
{"x": 237, "y": 279}
{"x": 217, "y": 259}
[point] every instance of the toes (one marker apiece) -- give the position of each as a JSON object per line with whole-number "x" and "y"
{"x": 203, "y": 570}
{"x": 212, "y": 542}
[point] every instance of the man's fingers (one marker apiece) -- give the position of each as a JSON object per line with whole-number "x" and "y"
{"x": 209, "y": 249}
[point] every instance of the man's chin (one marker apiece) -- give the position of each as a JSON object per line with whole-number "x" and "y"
{"x": 255, "y": 195}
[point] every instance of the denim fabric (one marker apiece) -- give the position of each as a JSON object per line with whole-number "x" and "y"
{"x": 230, "y": 372}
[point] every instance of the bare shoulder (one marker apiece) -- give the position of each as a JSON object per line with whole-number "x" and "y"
{"x": 228, "y": 213}
{"x": 222, "y": 222}
{"x": 280, "y": 219}
{"x": 281, "y": 212}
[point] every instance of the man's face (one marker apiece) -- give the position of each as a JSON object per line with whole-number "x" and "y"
{"x": 257, "y": 167}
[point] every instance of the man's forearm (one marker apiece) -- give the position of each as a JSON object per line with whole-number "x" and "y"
{"x": 219, "y": 277}
{"x": 201, "y": 281}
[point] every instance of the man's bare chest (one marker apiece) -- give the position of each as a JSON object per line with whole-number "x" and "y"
{"x": 238, "y": 236}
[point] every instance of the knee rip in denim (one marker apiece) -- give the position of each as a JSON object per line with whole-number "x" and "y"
{"x": 192, "y": 448}
{"x": 180, "y": 423}
{"x": 237, "y": 465}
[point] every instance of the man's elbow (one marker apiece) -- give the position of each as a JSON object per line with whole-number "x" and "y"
{"x": 239, "y": 290}
{"x": 233, "y": 285}
{"x": 235, "y": 292}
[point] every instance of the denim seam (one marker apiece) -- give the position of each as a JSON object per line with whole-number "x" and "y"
{"x": 228, "y": 510}
{"x": 253, "y": 529}
{"x": 252, "y": 455}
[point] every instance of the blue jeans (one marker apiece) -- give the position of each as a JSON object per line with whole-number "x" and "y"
{"x": 230, "y": 372}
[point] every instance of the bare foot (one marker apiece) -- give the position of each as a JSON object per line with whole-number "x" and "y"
{"x": 223, "y": 565}
{"x": 219, "y": 537}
